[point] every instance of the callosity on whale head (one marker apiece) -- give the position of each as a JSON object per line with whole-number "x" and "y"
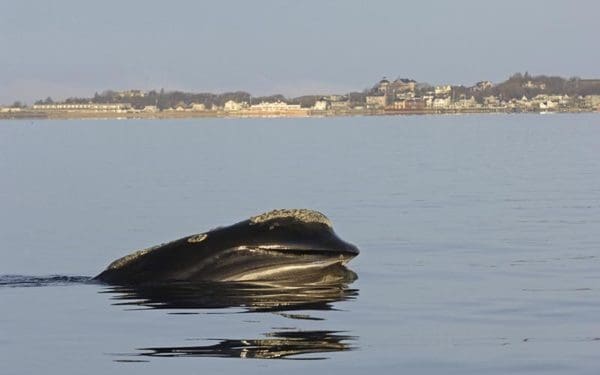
{"x": 280, "y": 245}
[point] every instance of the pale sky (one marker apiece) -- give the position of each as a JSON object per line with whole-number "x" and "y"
{"x": 73, "y": 47}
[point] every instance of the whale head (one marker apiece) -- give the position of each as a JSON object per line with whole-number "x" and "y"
{"x": 298, "y": 233}
{"x": 288, "y": 244}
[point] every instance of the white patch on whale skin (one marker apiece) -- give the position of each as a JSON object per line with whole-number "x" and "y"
{"x": 197, "y": 238}
{"x": 129, "y": 258}
{"x": 303, "y": 215}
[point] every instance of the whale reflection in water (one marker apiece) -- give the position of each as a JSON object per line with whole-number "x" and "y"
{"x": 318, "y": 293}
{"x": 312, "y": 293}
{"x": 276, "y": 345}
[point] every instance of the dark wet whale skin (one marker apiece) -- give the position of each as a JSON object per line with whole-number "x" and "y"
{"x": 279, "y": 245}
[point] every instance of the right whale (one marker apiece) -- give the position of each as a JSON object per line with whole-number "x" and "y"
{"x": 287, "y": 245}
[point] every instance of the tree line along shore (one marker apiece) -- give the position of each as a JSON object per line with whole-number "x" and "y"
{"x": 519, "y": 93}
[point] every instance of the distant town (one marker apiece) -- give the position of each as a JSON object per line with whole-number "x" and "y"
{"x": 519, "y": 93}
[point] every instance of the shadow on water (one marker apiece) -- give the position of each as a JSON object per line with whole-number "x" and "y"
{"x": 276, "y": 345}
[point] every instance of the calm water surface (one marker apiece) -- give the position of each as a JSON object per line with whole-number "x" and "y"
{"x": 480, "y": 240}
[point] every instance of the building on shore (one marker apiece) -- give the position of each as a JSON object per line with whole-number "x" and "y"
{"x": 383, "y": 86}
{"x": 592, "y": 101}
{"x": 278, "y": 106}
{"x": 442, "y": 103}
{"x": 91, "y": 107}
{"x": 465, "y": 103}
{"x": 150, "y": 109}
{"x": 403, "y": 85}
{"x": 444, "y": 90}
{"x": 491, "y": 101}
{"x": 322, "y": 105}
{"x": 232, "y": 106}
{"x": 409, "y": 104}
{"x": 341, "y": 105}
{"x": 198, "y": 107}
{"x": 376, "y": 101}
{"x": 10, "y": 109}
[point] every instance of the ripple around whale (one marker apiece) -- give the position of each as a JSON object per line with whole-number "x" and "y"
{"x": 19, "y": 281}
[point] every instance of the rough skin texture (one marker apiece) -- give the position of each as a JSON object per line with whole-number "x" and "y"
{"x": 307, "y": 216}
{"x": 128, "y": 258}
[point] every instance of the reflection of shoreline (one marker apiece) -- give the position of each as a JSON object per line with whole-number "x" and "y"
{"x": 277, "y": 345}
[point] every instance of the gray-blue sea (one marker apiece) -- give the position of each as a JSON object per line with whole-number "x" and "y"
{"x": 479, "y": 239}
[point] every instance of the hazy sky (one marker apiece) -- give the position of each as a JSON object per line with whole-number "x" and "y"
{"x": 75, "y": 47}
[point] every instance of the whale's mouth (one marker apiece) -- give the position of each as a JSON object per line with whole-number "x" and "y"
{"x": 281, "y": 262}
{"x": 343, "y": 251}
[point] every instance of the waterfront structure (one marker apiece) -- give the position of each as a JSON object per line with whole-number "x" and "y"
{"x": 403, "y": 85}
{"x": 375, "y": 101}
{"x": 383, "y": 86}
{"x": 321, "y": 105}
{"x": 465, "y": 103}
{"x": 491, "y": 101}
{"x": 231, "y": 106}
{"x": 93, "y": 107}
{"x": 9, "y": 109}
{"x": 443, "y": 90}
{"x": 278, "y": 106}
{"x": 592, "y": 101}
{"x": 150, "y": 108}
{"x": 410, "y": 104}
{"x": 341, "y": 105}
{"x": 441, "y": 103}
{"x": 548, "y": 105}
{"x": 198, "y": 107}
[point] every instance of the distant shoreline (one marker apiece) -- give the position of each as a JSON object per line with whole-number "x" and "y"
{"x": 166, "y": 115}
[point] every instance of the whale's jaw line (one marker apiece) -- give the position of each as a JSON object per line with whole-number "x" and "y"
{"x": 244, "y": 264}
{"x": 289, "y": 269}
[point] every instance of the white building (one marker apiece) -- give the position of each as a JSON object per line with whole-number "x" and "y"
{"x": 466, "y": 103}
{"x": 428, "y": 99}
{"x": 341, "y": 105}
{"x": 198, "y": 107}
{"x": 441, "y": 103}
{"x": 491, "y": 101}
{"x": 9, "y": 109}
{"x": 231, "y": 106}
{"x": 376, "y": 101}
{"x": 150, "y": 108}
{"x": 275, "y": 107}
{"x": 592, "y": 100}
{"x": 321, "y": 105}
{"x": 443, "y": 90}
{"x": 94, "y": 107}
{"x": 548, "y": 105}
